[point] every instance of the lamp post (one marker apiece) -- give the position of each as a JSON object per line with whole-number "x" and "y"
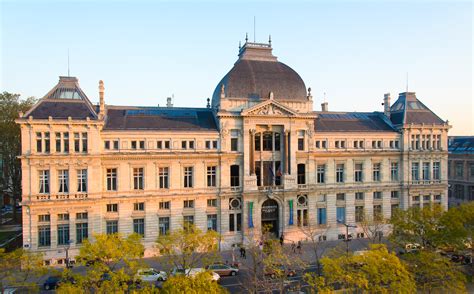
{"x": 68, "y": 246}
{"x": 347, "y": 234}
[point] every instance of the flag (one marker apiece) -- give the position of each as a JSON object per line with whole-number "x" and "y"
{"x": 279, "y": 171}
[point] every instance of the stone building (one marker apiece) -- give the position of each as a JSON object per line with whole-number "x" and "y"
{"x": 257, "y": 155}
{"x": 461, "y": 169}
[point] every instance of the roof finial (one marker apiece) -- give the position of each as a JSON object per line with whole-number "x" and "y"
{"x": 240, "y": 45}
{"x": 246, "y": 37}
{"x": 208, "y": 103}
{"x": 270, "y": 40}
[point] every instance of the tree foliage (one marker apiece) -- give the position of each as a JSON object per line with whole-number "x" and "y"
{"x": 201, "y": 283}
{"x": 375, "y": 271}
{"x": 189, "y": 247}
{"x": 19, "y": 268}
{"x": 10, "y": 142}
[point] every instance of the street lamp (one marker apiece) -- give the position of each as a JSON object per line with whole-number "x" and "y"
{"x": 347, "y": 234}
{"x": 68, "y": 246}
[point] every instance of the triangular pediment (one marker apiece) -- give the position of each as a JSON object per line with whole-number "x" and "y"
{"x": 268, "y": 108}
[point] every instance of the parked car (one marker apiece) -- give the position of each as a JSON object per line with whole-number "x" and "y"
{"x": 151, "y": 275}
{"x": 223, "y": 269}
{"x": 273, "y": 271}
{"x": 52, "y": 282}
{"x": 191, "y": 272}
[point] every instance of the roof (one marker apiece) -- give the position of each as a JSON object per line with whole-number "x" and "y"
{"x": 409, "y": 110}
{"x": 461, "y": 145}
{"x": 257, "y": 73}
{"x": 352, "y": 122}
{"x": 65, "y": 100}
{"x": 160, "y": 118}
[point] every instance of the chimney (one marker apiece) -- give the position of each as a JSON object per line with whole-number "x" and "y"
{"x": 169, "y": 102}
{"x": 101, "y": 99}
{"x": 386, "y": 105}
{"x": 324, "y": 107}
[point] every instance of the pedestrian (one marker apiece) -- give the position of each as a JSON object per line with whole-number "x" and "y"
{"x": 299, "y": 247}
{"x": 260, "y": 245}
{"x": 282, "y": 239}
{"x": 244, "y": 253}
{"x": 293, "y": 247}
{"x": 233, "y": 253}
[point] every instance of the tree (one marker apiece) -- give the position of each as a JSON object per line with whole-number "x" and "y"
{"x": 373, "y": 227}
{"x": 433, "y": 272}
{"x": 19, "y": 268}
{"x": 189, "y": 247}
{"x": 201, "y": 283}
{"x": 10, "y": 143}
{"x": 314, "y": 235}
{"x": 421, "y": 226}
{"x": 375, "y": 271}
{"x": 113, "y": 262}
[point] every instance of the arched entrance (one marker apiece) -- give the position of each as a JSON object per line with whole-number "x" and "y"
{"x": 270, "y": 218}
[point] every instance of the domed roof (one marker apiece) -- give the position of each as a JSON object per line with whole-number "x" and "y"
{"x": 257, "y": 73}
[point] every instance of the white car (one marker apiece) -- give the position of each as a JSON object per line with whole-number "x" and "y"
{"x": 191, "y": 272}
{"x": 151, "y": 275}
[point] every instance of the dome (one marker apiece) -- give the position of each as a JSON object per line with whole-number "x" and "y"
{"x": 257, "y": 73}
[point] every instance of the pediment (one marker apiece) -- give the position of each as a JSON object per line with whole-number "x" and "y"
{"x": 268, "y": 108}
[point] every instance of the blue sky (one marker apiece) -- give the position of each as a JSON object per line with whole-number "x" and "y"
{"x": 353, "y": 51}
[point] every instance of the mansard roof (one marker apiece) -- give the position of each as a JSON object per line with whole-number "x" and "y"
{"x": 409, "y": 110}
{"x": 160, "y": 119}
{"x": 65, "y": 100}
{"x": 461, "y": 144}
{"x": 352, "y": 122}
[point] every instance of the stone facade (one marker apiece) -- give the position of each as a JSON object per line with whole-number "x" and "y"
{"x": 461, "y": 170}
{"x": 239, "y": 164}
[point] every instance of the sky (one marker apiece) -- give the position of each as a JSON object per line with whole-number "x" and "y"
{"x": 144, "y": 51}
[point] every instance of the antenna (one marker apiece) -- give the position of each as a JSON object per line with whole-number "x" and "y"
{"x": 68, "y": 74}
{"x": 254, "y": 37}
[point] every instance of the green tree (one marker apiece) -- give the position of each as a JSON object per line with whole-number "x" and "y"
{"x": 201, "y": 283}
{"x": 422, "y": 226}
{"x": 375, "y": 271}
{"x": 20, "y": 268}
{"x": 113, "y": 261}
{"x": 10, "y": 143}
{"x": 189, "y": 247}
{"x": 434, "y": 273}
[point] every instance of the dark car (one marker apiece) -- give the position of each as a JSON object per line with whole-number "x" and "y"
{"x": 51, "y": 282}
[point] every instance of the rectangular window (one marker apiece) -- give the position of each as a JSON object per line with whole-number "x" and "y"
{"x": 188, "y": 176}
{"x": 426, "y": 171}
{"x": 82, "y": 180}
{"x": 214, "y": 144}
{"x": 138, "y": 178}
{"x": 142, "y": 144}
{"x": 267, "y": 141}
{"x": 113, "y": 207}
{"x": 58, "y": 142}
{"x": 63, "y": 234}
{"x": 341, "y": 215}
{"x": 321, "y": 173}
{"x": 43, "y": 218}
{"x": 39, "y": 142}
{"x": 139, "y": 226}
{"x": 341, "y": 197}
{"x": 377, "y": 195}
{"x": 212, "y": 222}
{"x": 116, "y": 145}
{"x": 415, "y": 171}
{"x": 188, "y": 204}
{"x": 159, "y": 144}
{"x": 47, "y": 142}
{"x": 277, "y": 141}
{"x": 235, "y": 176}
{"x": 211, "y": 176}
{"x": 376, "y": 172}
{"x": 188, "y": 220}
{"x": 257, "y": 139}
{"x": 212, "y": 202}
{"x": 63, "y": 216}
{"x": 63, "y": 177}
{"x": 234, "y": 144}
{"x": 318, "y": 144}
{"x": 165, "y": 205}
{"x": 107, "y": 145}
{"x": 394, "y": 194}
{"x": 339, "y": 173}
{"x": 301, "y": 178}
{"x": 82, "y": 216}
{"x": 321, "y": 216}
{"x": 44, "y": 181}
{"x": 139, "y": 206}
{"x": 112, "y": 227}
{"x": 394, "y": 171}
{"x": 111, "y": 179}
{"x": 44, "y": 236}
{"x": 134, "y": 145}
{"x": 436, "y": 170}
{"x": 378, "y": 212}
{"x": 191, "y": 144}
{"x": 359, "y": 213}
{"x": 208, "y": 144}
{"x": 359, "y": 196}
{"x": 167, "y": 144}
{"x": 358, "y": 172}
{"x": 302, "y": 217}
{"x": 300, "y": 144}
{"x": 235, "y": 220}
{"x": 164, "y": 225}
{"x": 84, "y": 142}
{"x": 163, "y": 173}
{"x": 459, "y": 169}
{"x": 82, "y": 232}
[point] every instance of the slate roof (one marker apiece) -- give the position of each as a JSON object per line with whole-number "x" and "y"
{"x": 409, "y": 110}
{"x": 461, "y": 145}
{"x": 257, "y": 73}
{"x": 352, "y": 122}
{"x": 160, "y": 118}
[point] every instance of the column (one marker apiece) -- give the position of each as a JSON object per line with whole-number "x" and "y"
{"x": 252, "y": 152}
{"x": 288, "y": 151}
{"x": 284, "y": 153}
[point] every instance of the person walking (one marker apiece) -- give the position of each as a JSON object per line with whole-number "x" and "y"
{"x": 299, "y": 247}
{"x": 244, "y": 253}
{"x": 293, "y": 247}
{"x": 282, "y": 239}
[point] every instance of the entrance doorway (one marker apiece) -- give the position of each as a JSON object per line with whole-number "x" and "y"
{"x": 270, "y": 218}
